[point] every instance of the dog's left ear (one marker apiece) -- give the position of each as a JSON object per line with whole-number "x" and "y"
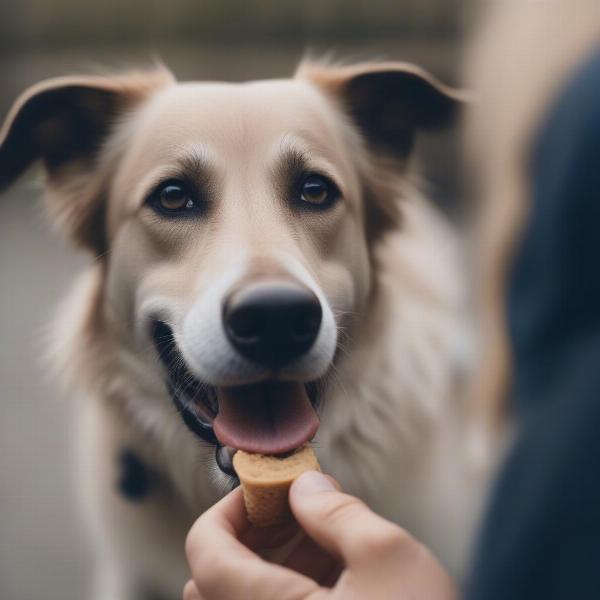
{"x": 388, "y": 101}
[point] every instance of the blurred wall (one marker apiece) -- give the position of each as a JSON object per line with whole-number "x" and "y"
{"x": 43, "y": 553}
{"x": 181, "y": 31}
{"x": 59, "y": 22}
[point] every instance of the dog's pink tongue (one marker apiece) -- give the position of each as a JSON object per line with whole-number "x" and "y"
{"x": 270, "y": 418}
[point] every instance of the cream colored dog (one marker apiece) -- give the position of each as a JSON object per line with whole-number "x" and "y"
{"x": 262, "y": 258}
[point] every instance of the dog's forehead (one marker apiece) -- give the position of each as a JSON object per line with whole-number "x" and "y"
{"x": 236, "y": 128}
{"x": 225, "y": 113}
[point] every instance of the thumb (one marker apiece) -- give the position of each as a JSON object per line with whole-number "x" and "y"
{"x": 342, "y": 524}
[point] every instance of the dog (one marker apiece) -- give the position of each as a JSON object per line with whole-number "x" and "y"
{"x": 265, "y": 273}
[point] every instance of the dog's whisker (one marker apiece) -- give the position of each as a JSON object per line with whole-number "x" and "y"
{"x": 345, "y": 351}
{"x": 102, "y": 255}
{"x": 342, "y": 313}
{"x": 334, "y": 371}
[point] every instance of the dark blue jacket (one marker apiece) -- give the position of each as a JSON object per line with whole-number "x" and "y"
{"x": 541, "y": 537}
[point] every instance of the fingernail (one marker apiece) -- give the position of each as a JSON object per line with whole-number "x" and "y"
{"x": 312, "y": 482}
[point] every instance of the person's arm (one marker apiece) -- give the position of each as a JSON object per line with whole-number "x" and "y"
{"x": 348, "y": 552}
{"x": 541, "y": 537}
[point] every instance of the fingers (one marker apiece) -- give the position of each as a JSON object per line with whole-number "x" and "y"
{"x": 221, "y": 527}
{"x": 228, "y": 577}
{"x": 340, "y": 523}
{"x": 223, "y": 568}
{"x": 380, "y": 559}
{"x": 311, "y": 560}
{"x": 265, "y": 538}
{"x": 190, "y": 592}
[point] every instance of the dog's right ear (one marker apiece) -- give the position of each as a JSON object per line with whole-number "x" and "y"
{"x": 388, "y": 101}
{"x": 63, "y": 122}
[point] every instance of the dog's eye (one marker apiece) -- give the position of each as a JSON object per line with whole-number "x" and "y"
{"x": 173, "y": 197}
{"x": 318, "y": 191}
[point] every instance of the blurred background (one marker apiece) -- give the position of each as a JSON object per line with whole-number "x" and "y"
{"x": 43, "y": 550}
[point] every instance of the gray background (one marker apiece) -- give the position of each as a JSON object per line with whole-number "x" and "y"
{"x": 43, "y": 553}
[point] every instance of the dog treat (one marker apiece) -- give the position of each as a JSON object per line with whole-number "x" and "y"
{"x": 266, "y": 481}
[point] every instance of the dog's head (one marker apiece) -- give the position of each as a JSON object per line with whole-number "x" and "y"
{"x": 234, "y": 222}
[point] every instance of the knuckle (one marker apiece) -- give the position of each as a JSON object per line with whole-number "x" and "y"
{"x": 189, "y": 591}
{"x": 189, "y": 542}
{"x": 341, "y": 508}
{"x": 207, "y": 567}
{"x": 211, "y": 571}
{"x": 386, "y": 539}
{"x": 191, "y": 545}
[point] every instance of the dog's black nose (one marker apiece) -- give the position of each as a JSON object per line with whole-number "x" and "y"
{"x": 272, "y": 322}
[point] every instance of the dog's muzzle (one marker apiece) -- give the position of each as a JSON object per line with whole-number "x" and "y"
{"x": 269, "y": 416}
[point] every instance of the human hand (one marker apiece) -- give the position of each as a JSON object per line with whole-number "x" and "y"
{"x": 347, "y": 552}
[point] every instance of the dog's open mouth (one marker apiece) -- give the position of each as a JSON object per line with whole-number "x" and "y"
{"x": 271, "y": 417}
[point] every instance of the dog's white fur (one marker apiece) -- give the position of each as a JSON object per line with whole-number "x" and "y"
{"x": 392, "y": 428}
